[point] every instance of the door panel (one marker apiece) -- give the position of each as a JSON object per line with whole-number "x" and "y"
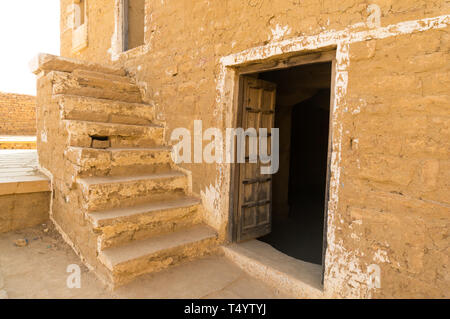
{"x": 254, "y": 211}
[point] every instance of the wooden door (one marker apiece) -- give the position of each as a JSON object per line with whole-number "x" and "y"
{"x": 254, "y": 211}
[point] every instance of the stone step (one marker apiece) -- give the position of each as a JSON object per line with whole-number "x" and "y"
{"x": 291, "y": 276}
{"x": 85, "y": 83}
{"x": 104, "y": 135}
{"x": 44, "y": 62}
{"x": 105, "y": 81}
{"x": 154, "y": 254}
{"x": 103, "y": 78}
{"x": 102, "y": 110}
{"x": 102, "y": 193}
{"x": 118, "y": 161}
{"x": 124, "y": 225}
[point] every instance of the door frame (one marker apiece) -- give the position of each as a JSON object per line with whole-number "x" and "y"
{"x": 271, "y": 65}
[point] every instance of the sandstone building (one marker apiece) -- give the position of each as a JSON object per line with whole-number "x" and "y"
{"x": 359, "y": 89}
{"x": 17, "y": 114}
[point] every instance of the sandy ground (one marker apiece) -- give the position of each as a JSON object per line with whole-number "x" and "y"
{"x": 39, "y": 270}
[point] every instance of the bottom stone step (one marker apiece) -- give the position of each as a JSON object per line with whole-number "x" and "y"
{"x": 125, "y": 225}
{"x": 291, "y": 276}
{"x": 145, "y": 256}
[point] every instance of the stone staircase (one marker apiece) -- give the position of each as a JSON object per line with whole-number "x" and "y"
{"x": 118, "y": 197}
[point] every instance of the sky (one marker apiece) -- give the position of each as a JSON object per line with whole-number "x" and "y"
{"x": 27, "y": 27}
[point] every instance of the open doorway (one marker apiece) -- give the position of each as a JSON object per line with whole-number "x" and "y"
{"x": 299, "y": 188}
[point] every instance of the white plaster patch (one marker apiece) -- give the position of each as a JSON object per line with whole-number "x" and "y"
{"x": 354, "y": 236}
{"x": 280, "y": 32}
{"x": 362, "y": 104}
{"x": 381, "y": 256}
{"x": 44, "y": 136}
{"x": 211, "y": 202}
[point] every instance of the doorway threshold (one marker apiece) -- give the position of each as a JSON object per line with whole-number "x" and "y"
{"x": 294, "y": 277}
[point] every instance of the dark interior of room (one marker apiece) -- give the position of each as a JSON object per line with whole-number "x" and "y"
{"x": 298, "y": 197}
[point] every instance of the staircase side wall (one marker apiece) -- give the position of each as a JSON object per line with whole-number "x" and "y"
{"x": 66, "y": 211}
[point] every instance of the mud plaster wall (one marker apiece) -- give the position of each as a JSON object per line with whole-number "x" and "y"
{"x": 389, "y": 203}
{"x": 21, "y": 211}
{"x": 17, "y": 114}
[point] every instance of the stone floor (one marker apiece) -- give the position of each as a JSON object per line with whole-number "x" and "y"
{"x": 18, "y": 162}
{"x": 300, "y": 235}
{"x": 19, "y": 173}
{"x": 38, "y": 270}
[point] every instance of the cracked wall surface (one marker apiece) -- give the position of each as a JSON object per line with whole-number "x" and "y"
{"x": 389, "y": 203}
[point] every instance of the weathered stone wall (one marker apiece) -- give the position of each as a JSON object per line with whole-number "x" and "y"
{"x": 389, "y": 203}
{"x": 23, "y": 210}
{"x": 52, "y": 141}
{"x": 17, "y": 114}
{"x": 395, "y": 165}
{"x": 208, "y": 30}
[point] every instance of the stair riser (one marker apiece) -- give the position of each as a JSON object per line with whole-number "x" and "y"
{"x": 121, "y": 86}
{"x": 100, "y": 93}
{"x": 83, "y": 172}
{"x": 143, "y": 226}
{"x": 100, "y": 77}
{"x": 85, "y": 109}
{"x": 68, "y": 83}
{"x": 126, "y": 272}
{"x": 137, "y": 162}
{"x": 105, "y": 196}
{"x": 92, "y": 162}
{"x": 80, "y": 135}
{"x": 116, "y": 141}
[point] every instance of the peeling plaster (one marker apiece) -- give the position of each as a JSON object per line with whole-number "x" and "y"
{"x": 215, "y": 198}
{"x": 381, "y": 256}
{"x": 211, "y": 201}
{"x": 280, "y": 32}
